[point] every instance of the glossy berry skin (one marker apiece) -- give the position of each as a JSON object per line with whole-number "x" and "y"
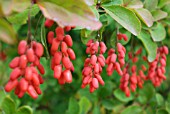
{"x": 48, "y": 23}
{"x": 93, "y": 65}
{"x": 24, "y": 77}
{"x": 22, "y": 46}
{"x": 62, "y": 54}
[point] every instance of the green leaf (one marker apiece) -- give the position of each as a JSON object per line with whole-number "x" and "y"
{"x": 73, "y": 106}
{"x": 84, "y": 105}
{"x": 159, "y": 14}
{"x": 8, "y": 106}
{"x": 150, "y": 4}
{"x": 124, "y": 17}
{"x": 69, "y": 12}
{"x": 21, "y": 18}
{"x": 95, "y": 11}
{"x": 24, "y": 110}
{"x": 132, "y": 110}
{"x": 108, "y": 104}
{"x": 112, "y": 2}
{"x": 159, "y": 99}
{"x": 167, "y": 106}
{"x": 163, "y": 3}
{"x": 86, "y": 35}
{"x": 44, "y": 39}
{"x": 150, "y": 46}
{"x": 159, "y": 33}
{"x": 96, "y": 110}
{"x": 7, "y": 33}
{"x": 2, "y": 94}
{"x": 19, "y": 6}
{"x": 145, "y": 16}
{"x": 146, "y": 93}
{"x": 135, "y": 4}
{"x": 121, "y": 96}
{"x": 162, "y": 111}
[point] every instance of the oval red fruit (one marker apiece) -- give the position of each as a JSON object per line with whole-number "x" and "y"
{"x": 66, "y": 62}
{"x": 57, "y": 57}
{"x": 50, "y": 37}
{"x": 15, "y": 73}
{"x": 39, "y": 50}
{"x": 57, "y": 71}
{"x": 55, "y": 45}
{"x": 95, "y": 83}
{"x": 41, "y": 69}
{"x": 14, "y": 63}
{"x": 28, "y": 74}
{"x": 32, "y": 92}
{"x": 67, "y": 76}
{"x": 22, "y": 47}
{"x": 23, "y": 61}
{"x": 30, "y": 55}
{"x": 11, "y": 85}
{"x": 59, "y": 32}
{"x": 23, "y": 84}
{"x": 48, "y": 23}
{"x": 71, "y": 54}
{"x": 63, "y": 47}
{"x": 68, "y": 40}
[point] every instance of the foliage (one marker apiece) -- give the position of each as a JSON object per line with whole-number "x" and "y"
{"x": 145, "y": 22}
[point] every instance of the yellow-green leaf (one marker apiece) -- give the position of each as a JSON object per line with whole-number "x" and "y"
{"x": 7, "y": 33}
{"x": 124, "y": 17}
{"x": 145, "y": 16}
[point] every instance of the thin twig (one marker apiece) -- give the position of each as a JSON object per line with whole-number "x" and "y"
{"x": 37, "y": 25}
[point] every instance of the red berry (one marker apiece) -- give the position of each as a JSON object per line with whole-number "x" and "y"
{"x": 95, "y": 83}
{"x": 50, "y": 37}
{"x": 32, "y": 92}
{"x": 67, "y": 76}
{"x": 68, "y": 40}
{"x": 59, "y": 32}
{"x": 55, "y": 45}
{"x": 57, "y": 57}
{"x": 35, "y": 79}
{"x": 64, "y": 47}
{"x": 28, "y": 74}
{"x": 41, "y": 69}
{"x": 11, "y": 85}
{"x": 30, "y": 55}
{"x": 14, "y": 63}
{"x": 15, "y": 74}
{"x": 23, "y": 84}
{"x": 48, "y": 23}
{"x": 66, "y": 62}
{"x": 67, "y": 28}
{"x": 23, "y": 61}
{"x": 22, "y": 47}
{"x": 39, "y": 50}
{"x": 57, "y": 71}
{"x": 71, "y": 54}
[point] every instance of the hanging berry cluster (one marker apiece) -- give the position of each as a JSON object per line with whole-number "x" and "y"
{"x": 25, "y": 77}
{"x": 131, "y": 75}
{"x": 120, "y": 56}
{"x": 61, "y": 52}
{"x": 157, "y": 70}
{"x": 93, "y": 65}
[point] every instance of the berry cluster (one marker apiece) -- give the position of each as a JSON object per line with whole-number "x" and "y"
{"x": 25, "y": 77}
{"x": 112, "y": 56}
{"x": 62, "y": 53}
{"x": 93, "y": 65}
{"x": 132, "y": 77}
{"x": 157, "y": 70}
